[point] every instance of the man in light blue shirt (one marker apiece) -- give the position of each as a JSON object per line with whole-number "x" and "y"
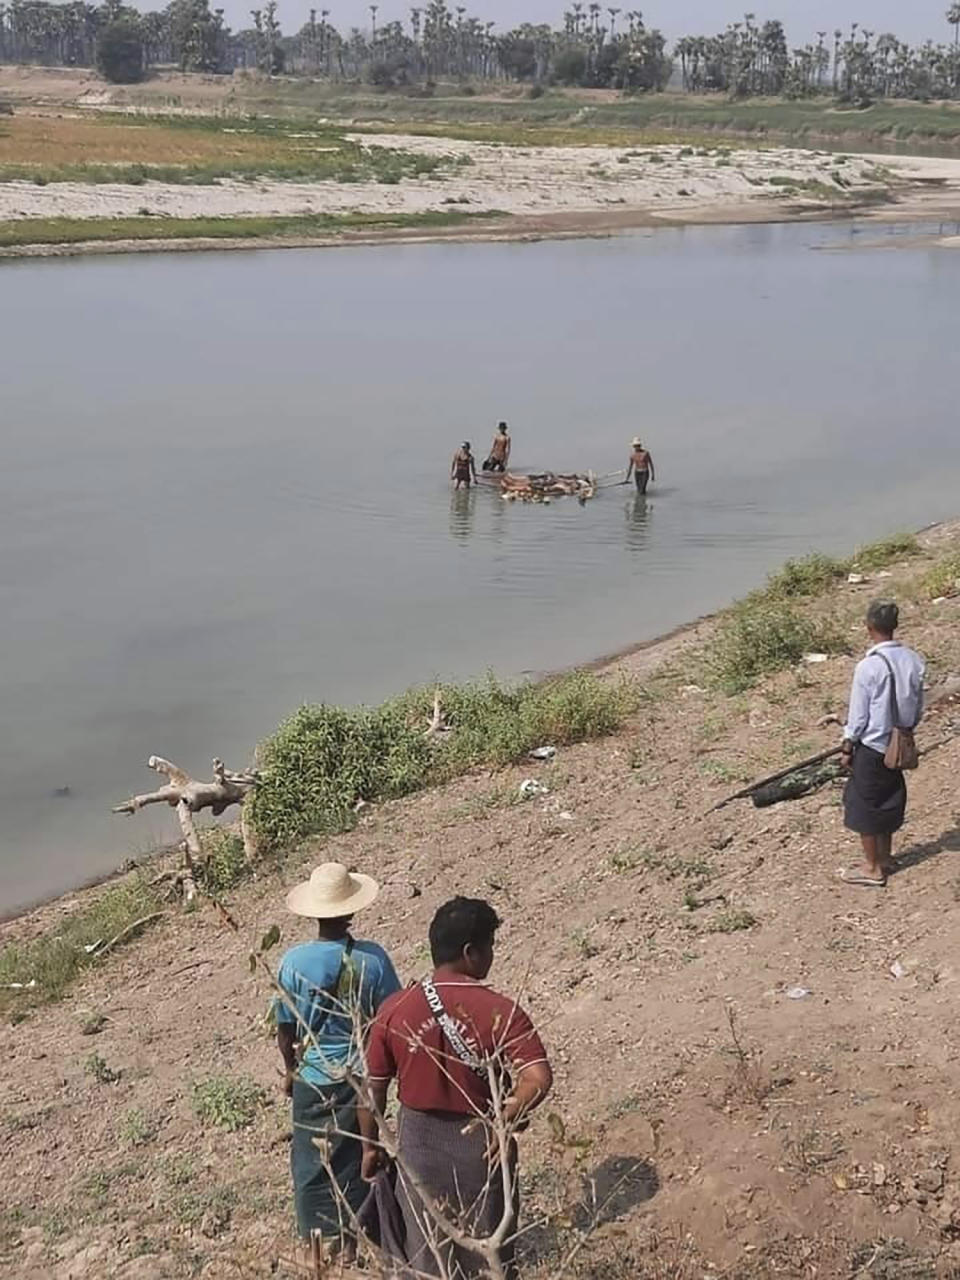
{"x": 887, "y": 693}
{"x": 333, "y": 988}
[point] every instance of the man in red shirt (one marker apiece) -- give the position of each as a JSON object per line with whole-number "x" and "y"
{"x": 441, "y": 1040}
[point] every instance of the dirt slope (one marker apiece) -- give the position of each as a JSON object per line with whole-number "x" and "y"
{"x": 826, "y": 1145}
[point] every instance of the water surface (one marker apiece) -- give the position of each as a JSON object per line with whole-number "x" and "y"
{"x": 224, "y": 482}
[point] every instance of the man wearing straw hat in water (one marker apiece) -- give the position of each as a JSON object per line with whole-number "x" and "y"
{"x": 641, "y": 466}
{"x": 333, "y": 985}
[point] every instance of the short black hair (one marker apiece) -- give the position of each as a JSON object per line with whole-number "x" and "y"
{"x": 883, "y": 616}
{"x": 460, "y": 922}
{"x": 503, "y": 426}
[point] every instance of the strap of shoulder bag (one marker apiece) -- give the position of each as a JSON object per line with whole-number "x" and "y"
{"x": 450, "y": 1030}
{"x": 894, "y": 709}
{"x": 331, "y": 991}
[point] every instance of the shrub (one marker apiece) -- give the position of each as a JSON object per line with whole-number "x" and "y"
{"x": 229, "y": 1102}
{"x": 535, "y": 91}
{"x": 942, "y": 579}
{"x": 324, "y": 759}
{"x": 120, "y": 51}
{"x": 760, "y": 636}
{"x": 226, "y": 863}
{"x": 137, "y": 1128}
{"x": 570, "y": 66}
{"x": 97, "y": 1067}
{"x": 733, "y": 921}
{"x": 807, "y": 577}
{"x": 877, "y": 555}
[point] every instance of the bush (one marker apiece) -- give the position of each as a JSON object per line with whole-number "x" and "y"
{"x": 381, "y": 75}
{"x": 120, "y": 51}
{"x": 807, "y": 577}
{"x": 226, "y": 863}
{"x": 570, "y": 66}
{"x": 535, "y": 91}
{"x": 324, "y": 759}
{"x": 877, "y": 555}
{"x": 942, "y": 579}
{"x": 760, "y": 636}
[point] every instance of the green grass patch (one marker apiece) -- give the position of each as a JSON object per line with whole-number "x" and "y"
{"x": 942, "y": 578}
{"x": 668, "y": 117}
{"x": 225, "y": 863}
{"x": 732, "y": 922}
{"x": 56, "y": 957}
{"x": 228, "y": 1102}
{"x": 762, "y": 635}
{"x": 324, "y": 759}
{"x": 137, "y": 1128}
{"x": 878, "y": 555}
{"x": 810, "y": 576}
{"x": 58, "y": 231}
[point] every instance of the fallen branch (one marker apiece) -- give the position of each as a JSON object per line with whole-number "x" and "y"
{"x": 124, "y": 934}
{"x": 189, "y": 796}
{"x": 437, "y": 723}
{"x": 745, "y": 792}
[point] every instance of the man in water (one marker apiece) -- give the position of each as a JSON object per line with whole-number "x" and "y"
{"x": 499, "y": 450}
{"x": 464, "y": 469}
{"x": 641, "y": 466}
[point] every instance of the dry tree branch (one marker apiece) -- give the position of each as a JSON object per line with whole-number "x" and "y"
{"x": 189, "y": 796}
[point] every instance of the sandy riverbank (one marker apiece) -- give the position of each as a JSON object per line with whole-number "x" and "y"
{"x": 541, "y": 191}
{"x": 828, "y": 1141}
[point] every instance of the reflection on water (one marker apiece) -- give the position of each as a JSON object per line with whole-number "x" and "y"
{"x": 638, "y": 512}
{"x": 188, "y": 556}
{"x": 462, "y": 507}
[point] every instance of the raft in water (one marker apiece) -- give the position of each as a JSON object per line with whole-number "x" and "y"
{"x": 543, "y": 486}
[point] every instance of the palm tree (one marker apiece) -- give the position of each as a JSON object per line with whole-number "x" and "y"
{"x": 373, "y": 18}
{"x": 953, "y": 17}
{"x": 613, "y": 21}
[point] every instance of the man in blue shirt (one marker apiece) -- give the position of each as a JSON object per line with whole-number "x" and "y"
{"x": 333, "y": 986}
{"x": 887, "y": 693}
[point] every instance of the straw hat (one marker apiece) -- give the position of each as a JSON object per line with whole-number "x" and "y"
{"x": 332, "y": 891}
{"x": 637, "y": 442}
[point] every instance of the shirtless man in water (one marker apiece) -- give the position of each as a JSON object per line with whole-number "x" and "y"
{"x": 499, "y": 450}
{"x": 641, "y": 466}
{"x": 464, "y": 469}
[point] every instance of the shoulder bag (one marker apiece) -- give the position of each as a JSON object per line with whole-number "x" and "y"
{"x": 902, "y": 750}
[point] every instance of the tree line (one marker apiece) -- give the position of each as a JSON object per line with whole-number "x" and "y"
{"x": 596, "y": 46}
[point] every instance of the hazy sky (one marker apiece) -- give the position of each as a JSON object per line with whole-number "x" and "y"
{"x": 910, "y": 19}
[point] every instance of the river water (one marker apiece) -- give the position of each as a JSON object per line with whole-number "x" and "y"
{"x": 224, "y": 480}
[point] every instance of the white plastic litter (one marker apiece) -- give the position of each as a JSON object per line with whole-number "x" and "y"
{"x": 856, "y": 578}
{"x": 533, "y": 787}
{"x": 813, "y": 658}
{"x": 543, "y": 753}
{"x": 898, "y": 970}
{"x": 798, "y": 993}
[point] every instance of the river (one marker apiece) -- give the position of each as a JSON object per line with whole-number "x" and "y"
{"x": 224, "y": 483}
